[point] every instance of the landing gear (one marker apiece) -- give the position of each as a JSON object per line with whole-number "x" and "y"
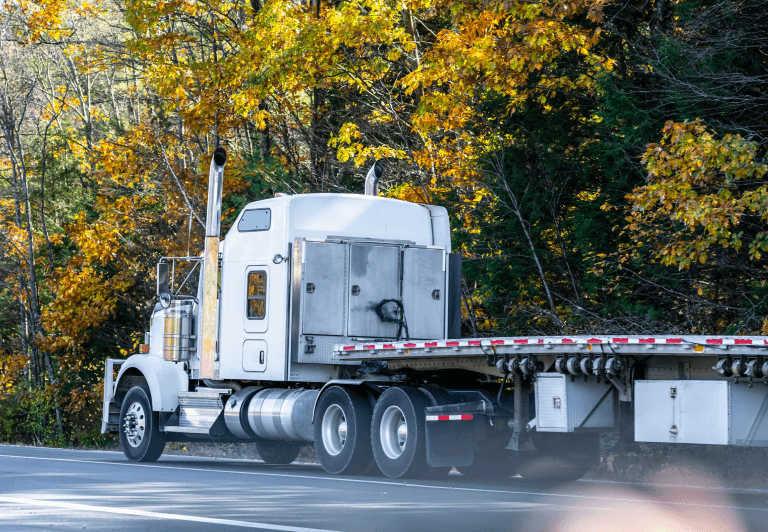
{"x": 343, "y": 432}
{"x": 277, "y": 452}
{"x": 398, "y": 433}
{"x": 140, "y": 436}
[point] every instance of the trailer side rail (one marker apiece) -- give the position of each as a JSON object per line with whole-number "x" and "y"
{"x": 552, "y": 345}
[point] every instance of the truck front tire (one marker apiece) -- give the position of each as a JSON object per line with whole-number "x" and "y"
{"x": 140, "y": 435}
{"x": 343, "y": 432}
{"x": 398, "y": 433}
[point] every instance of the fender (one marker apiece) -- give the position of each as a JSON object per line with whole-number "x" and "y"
{"x": 165, "y": 380}
{"x": 372, "y": 386}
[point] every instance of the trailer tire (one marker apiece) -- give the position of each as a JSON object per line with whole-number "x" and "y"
{"x": 140, "y": 435}
{"x": 437, "y": 473}
{"x": 398, "y": 433}
{"x": 343, "y": 432}
{"x": 560, "y": 457}
{"x": 548, "y": 467}
{"x": 276, "y": 452}
{"x": 491, "y": 466}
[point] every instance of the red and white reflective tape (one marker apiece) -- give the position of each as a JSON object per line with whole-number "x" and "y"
{"x": 573, "y": 340}
{"x": 451, "y": 417}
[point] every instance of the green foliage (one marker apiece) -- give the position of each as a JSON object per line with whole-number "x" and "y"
{"x": 29, "y": 417}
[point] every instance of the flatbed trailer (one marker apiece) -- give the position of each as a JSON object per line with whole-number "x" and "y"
{"x": 651, "y": 374}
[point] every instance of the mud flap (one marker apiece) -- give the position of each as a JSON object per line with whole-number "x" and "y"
{"x": 450, "y": 443}
{"x": 453, "y": 432}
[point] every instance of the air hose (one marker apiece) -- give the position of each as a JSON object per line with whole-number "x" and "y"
{"x": 400, "y": 322}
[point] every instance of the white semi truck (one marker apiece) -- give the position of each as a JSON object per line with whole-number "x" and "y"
{"x": 334, "y": 319}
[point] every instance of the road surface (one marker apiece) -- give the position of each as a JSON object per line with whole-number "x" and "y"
{"x": 56, "y": 490}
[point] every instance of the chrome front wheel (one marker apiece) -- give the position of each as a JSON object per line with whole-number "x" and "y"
{"x": 135, "y": 424}
{"x": 140, "y": 435}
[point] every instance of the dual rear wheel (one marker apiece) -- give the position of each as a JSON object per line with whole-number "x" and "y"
{"x": 355, "y": 435}
{"x": 352, "y": 436}
{"x": 398, "y": 434}
{"x": 343, "y": 432}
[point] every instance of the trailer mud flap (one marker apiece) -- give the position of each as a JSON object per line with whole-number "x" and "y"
{"x": 450, "y": 440}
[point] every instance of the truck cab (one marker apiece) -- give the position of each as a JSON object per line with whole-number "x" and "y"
{"x": 300, "y": 274}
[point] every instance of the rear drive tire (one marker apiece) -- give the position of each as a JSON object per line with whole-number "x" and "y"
{"x": 276, "y": 452}
{"x": 343, "y": 432}
{"x": 140, "y": 435}
{"x": 398, "y": 434}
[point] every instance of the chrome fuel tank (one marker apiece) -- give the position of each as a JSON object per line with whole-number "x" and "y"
{"x": 177, "y": 331}
{"x": 279, "y": 414}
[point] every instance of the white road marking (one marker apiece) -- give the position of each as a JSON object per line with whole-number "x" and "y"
{"x": 396, "y": 483}
{"x": 133, "y": 512}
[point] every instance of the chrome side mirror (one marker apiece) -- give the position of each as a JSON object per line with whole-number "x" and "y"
{"x": 162, "y": 278}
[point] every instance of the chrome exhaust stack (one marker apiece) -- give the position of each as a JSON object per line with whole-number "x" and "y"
{"x": 372, "y": 178}
{"x": 210, "y": 305}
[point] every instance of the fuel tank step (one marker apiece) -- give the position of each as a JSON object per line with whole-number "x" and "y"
{"x": 200, "y": 412}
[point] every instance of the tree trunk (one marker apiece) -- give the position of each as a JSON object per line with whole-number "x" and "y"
{"x": 514, "y": 206}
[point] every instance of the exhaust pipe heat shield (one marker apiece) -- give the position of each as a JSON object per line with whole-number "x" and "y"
{"x": 210, "y": 303}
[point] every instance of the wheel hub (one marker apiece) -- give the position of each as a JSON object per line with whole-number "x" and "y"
{"x": 134, "y": 424}
{"x": 334, "y": 430}
{"x": 393, "y": 432}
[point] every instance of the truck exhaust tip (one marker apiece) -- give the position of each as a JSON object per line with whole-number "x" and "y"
{"x": 372, "y": 178}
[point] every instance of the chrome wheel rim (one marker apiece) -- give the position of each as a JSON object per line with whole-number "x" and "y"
{"x": 334, "y": 430}
{"x": 135, "y": 424}
{"x": 394, "y": 432}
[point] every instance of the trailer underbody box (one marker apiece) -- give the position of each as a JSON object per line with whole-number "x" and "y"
{"x": 701, "y": 411}
{"x": 570, "y": 404}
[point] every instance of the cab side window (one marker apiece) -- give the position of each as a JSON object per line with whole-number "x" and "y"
{"x": 255, "y": 220}
{"x": 257, "y": 295}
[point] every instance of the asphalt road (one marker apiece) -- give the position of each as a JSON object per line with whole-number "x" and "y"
{"x": 54, "y": 489}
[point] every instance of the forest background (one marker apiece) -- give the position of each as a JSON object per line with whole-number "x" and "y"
{"x": 603, "y": 163}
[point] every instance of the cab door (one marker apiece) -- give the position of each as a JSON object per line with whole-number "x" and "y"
{"x": 256, "y": 318}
